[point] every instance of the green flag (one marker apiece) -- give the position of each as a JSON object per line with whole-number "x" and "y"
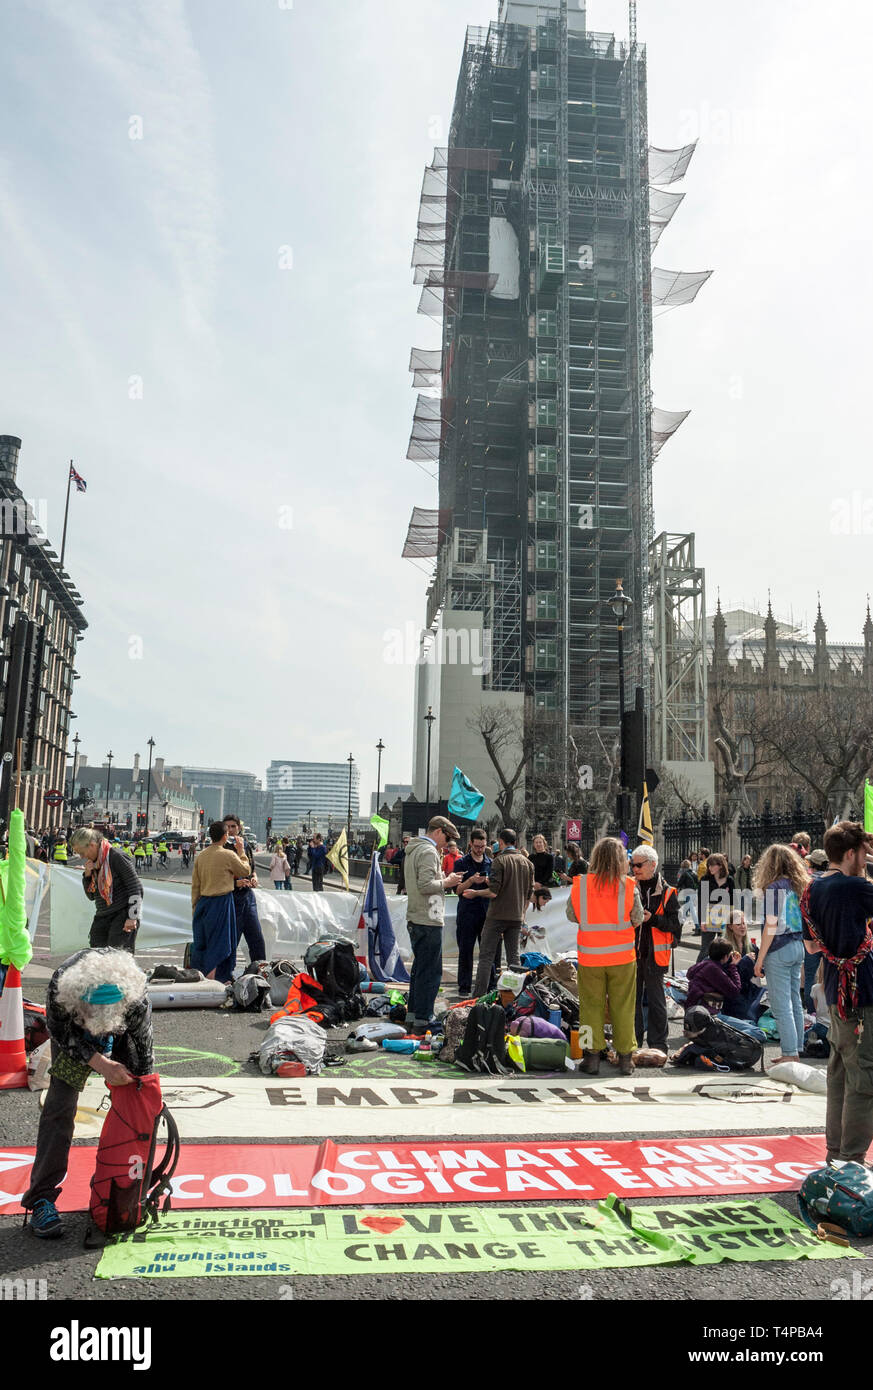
{"x": 381, "y": 827}
{"x": 868, "y": 805}
{"x": 15, "y": 947}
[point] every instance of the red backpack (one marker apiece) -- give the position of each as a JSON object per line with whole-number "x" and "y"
{"x": 127, "y": 1184}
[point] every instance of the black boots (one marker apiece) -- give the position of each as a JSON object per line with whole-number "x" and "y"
{"x": 626, "y": 1063}
{"x": 590, "y": 1063}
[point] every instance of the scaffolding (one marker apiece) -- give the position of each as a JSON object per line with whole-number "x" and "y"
{"x": 540, "y": 417}
{"x": 679, "y": 728}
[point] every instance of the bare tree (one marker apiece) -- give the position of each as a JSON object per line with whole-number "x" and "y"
{"x": 674, "y": 795}
{"x": 501, "y": 731}
{"x": 825, "y": 738}
{"x": 734, "y": 778}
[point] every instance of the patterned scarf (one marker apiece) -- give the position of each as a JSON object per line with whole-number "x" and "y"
{"x": 104, "y": 873}
{"x": 847, "y": 966}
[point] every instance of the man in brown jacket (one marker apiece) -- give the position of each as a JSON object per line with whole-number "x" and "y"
{"x": 510, "y": 887}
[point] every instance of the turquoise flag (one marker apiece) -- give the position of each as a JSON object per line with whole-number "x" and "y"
{"x": 381, "y": 826}
{"x": 465, "y": 800}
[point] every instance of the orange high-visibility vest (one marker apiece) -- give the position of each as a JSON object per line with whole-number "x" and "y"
{"x": 605, "y": 935}
{"x": 662, "y": 941}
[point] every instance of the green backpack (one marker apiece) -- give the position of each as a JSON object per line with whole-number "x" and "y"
{"x": 843, "y": 1195}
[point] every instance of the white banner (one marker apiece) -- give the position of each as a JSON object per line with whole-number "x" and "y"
{"x": 334, "y": 1105}
{"x": 290, "y": 921}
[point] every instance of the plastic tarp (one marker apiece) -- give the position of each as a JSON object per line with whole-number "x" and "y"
{"x": 675, "y": 287}
{"x": 669, "y": 166}
{"x": 503, "y": 258}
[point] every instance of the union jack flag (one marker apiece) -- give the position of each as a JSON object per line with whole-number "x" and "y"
{"x": 81, "y": 485}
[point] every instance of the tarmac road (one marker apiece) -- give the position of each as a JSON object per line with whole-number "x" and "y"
{"x": 183, "y": 1037}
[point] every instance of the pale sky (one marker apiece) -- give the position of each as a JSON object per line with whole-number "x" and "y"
{"x": 214, "y": 321}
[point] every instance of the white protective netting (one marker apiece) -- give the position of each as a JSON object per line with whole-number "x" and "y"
{"x": 675, "y": 287}
{"x": 426, "y": 367}
{"x": 665, "y": 423}
{"x": 422, "y": 535}
{"x": 669, "y": 166}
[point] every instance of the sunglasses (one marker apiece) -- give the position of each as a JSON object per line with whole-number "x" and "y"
{"x": 638, "y": 863}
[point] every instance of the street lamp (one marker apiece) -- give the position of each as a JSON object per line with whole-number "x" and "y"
{"x": 428, "y": 719}
{"x": 309, "y": 822}
{"x": 108, "y": 769}
{"x": 620, "y": 605}
{"x": 149, "y": 783}
{"x": 75, "y": 773}
{"x": 350, "y": 760}
{"x": 380, "y": 749}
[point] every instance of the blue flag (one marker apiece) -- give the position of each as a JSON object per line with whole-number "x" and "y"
{"x": 465, "y": 799}
{"x": 383, "y": 953}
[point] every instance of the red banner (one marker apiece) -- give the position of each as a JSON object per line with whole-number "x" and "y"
{"x": 329, "y": 1174}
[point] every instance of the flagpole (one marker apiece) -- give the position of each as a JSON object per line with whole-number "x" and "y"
{"x": 66, "y": 514}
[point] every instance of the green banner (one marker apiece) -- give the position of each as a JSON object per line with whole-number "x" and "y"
{"x": 868, "y": 805}
{"x": 431, "y": 1240}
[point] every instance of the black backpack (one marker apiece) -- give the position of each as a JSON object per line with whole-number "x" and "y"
{"x": 337, "y": 971}
{"x": 484, "y": 1046}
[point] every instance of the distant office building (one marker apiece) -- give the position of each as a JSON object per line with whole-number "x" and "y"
{"x": 321, "y": 789}
{"x": 389, "y": 794}
{"x": 225, "y": 791}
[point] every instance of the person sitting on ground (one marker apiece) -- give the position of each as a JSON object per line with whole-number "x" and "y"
{"x": 716, "y": 1043}
{"x": 713, "y": 981}
{"x": 99, "y": 1018}
{"x": 746, "y": 1004}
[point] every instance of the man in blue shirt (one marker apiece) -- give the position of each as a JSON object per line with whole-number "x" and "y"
{"x": 838, "y": 913}
{"x": 474, "y": 869}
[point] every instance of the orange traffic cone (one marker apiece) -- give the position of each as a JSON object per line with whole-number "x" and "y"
{"x": 13, "y": 1058}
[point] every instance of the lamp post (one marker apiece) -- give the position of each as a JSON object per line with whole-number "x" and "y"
{"x": 620, "y": 605}
{"x": 428, "y": 719}
{"x": 108, "y": 770}
{"x": 309, "y": 822}
{"x": 380, "y": 749}
{"x": 149, "y": 783}
{"x": 350, "y": 760}
{"x": 75, "y": 772}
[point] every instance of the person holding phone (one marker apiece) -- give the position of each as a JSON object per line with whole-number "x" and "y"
{"x": 474, "y": 868}
{"x": 247, "y": 921}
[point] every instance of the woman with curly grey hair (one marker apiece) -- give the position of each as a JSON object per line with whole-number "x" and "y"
{"x": 113, "y": 885}
{"x": 99, "y": 1019}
